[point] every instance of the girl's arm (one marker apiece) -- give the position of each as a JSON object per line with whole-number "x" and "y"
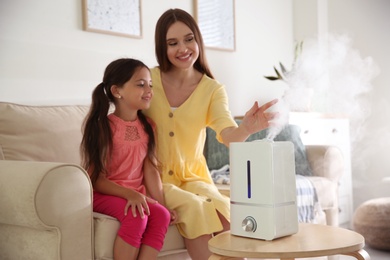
{"x": 135, "y": 200}
{"x": 153, "y": 183}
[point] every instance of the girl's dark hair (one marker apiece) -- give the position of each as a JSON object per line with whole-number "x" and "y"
{"x": 96, "y": 143}
{"x": 165, "y": 21}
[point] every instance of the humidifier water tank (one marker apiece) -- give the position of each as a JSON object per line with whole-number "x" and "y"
{"x": 263, "y": 189}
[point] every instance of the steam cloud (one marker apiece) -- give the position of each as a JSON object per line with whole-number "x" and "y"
{"x": 330, "y": 77}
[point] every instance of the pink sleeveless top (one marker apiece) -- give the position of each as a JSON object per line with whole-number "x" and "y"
{"x": 130, "y": 143}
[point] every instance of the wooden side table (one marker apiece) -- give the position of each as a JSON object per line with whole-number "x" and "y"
{"x": 312, "y": 240}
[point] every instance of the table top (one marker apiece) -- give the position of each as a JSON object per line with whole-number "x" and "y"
{"x": 312, "y": 240}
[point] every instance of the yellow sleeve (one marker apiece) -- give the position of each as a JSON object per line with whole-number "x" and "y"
{"x": 219, "y": 116}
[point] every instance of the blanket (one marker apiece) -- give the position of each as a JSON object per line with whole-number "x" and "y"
{"x": 307, "y": 200}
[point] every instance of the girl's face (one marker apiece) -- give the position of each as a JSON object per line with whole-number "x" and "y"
{"x": 137, "y": 93}
{"x": 182, "y": 49}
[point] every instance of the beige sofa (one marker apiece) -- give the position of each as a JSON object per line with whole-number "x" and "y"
{"x": 46, "y": 198}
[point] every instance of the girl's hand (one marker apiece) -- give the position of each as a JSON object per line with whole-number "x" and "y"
{"x": 174, "y": 217}
{"x": 138, "y": 202}
{"x": 257, "y": 118}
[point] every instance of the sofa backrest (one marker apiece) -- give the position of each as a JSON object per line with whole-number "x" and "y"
{"x": 41, "y": 133}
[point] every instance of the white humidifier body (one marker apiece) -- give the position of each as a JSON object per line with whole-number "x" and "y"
{"x": 263, "y": 189}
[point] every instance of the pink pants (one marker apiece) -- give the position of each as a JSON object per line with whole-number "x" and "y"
{"x": 133, "y": 230}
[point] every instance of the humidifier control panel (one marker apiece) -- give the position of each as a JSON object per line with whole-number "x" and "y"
{"x": 249, "y": 224}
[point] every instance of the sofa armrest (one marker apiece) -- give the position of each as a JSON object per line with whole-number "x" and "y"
{"x": 47, "y": 208}
{"x": 326, "y": 161}
{"x": 327, "y": 165}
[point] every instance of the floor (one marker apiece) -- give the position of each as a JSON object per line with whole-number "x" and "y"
{"x": 374, "y": 254}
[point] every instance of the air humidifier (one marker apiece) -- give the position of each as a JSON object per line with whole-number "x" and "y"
{"x": 263, "y": 189}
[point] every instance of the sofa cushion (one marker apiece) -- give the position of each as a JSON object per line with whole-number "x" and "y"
{"x": 41, "y": 133}
{"x": 217, "y": 154}
{"x": 106, "y": 229}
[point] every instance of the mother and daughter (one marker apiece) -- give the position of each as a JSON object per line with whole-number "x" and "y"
{"x": 145, "y": 158}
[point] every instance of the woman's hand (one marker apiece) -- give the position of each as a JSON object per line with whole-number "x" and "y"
{"x": 138, "y": 202}
{"x": 174, "y": 217}
{"x": 257, "y": 118}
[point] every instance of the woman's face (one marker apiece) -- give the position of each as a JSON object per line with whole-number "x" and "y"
{"x": 182, "y": 49}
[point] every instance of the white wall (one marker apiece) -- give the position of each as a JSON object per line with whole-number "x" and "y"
{"x": 46, "y": 57}
{"x": 264, "y": 37}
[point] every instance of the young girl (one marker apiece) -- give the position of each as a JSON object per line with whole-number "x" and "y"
{"x": 118, "y": 151}
{"x": 188, "y": 99}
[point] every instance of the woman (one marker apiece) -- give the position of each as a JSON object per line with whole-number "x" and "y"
{"x": 187, "y": 100}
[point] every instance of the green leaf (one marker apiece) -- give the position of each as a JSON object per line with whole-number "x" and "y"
{"x": 271, "y": 77}
{"x": 298, "y": 50}
{"x": 284, "y": 71}
{"x": 278, "y": 74}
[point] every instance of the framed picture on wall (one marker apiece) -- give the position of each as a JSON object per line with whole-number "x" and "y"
{"x": 116, "y": 17}
{"x": 216, "y": 20}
